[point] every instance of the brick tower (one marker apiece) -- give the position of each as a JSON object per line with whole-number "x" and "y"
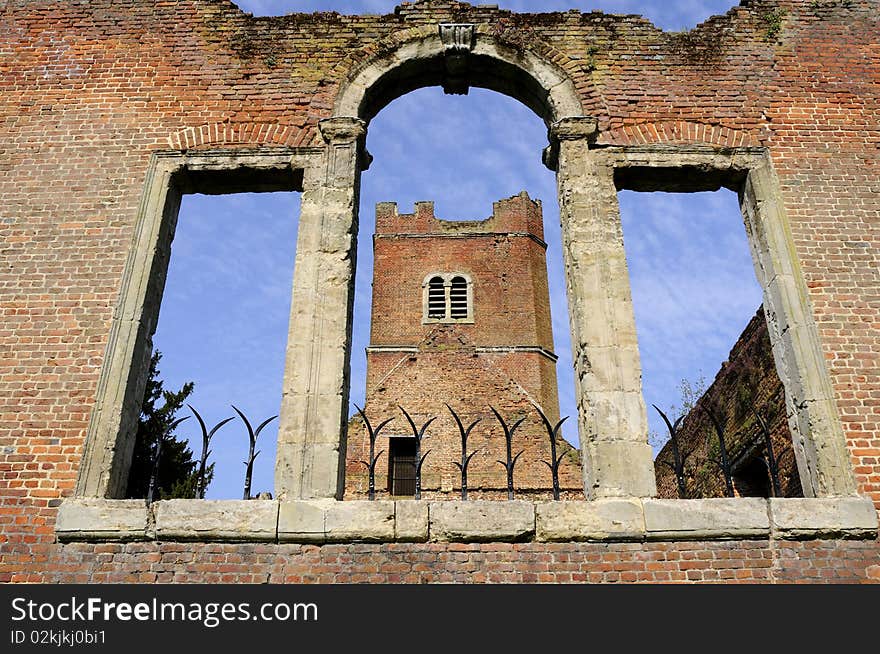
{"x": 460, "y": 315}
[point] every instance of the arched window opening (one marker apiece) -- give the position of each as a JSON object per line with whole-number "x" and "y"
{"x": 447, "y": 298}
{"x": 459, "y": 243}
{"x": 436, "y": 299}
{"x": 458, "y": 299}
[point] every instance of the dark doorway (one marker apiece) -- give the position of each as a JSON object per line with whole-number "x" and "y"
{"x": 402, "y": 467}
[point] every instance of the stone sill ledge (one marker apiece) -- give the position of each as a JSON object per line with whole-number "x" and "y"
{"x": 329, "y": 521}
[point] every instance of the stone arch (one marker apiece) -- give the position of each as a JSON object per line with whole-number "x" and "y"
{"x": 612, "y": 419}
{"x": 457, "y": 57}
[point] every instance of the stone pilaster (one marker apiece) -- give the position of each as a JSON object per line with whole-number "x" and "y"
{"x": 314, "y": 408}
{"x": 613, "y": 422}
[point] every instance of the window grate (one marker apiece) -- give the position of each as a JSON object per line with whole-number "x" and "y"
{"x": 448, "y": 298}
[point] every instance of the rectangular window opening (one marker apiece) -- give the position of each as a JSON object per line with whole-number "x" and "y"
{"x": 223, "y": 327}
{"x": 703, "y": 341}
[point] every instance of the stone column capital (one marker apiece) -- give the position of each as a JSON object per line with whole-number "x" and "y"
{"x": 342, "y": 129}
{"x": 570, "y": 128}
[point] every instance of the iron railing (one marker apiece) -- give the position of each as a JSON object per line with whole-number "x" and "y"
{"x": 508, "y": 430}
{"x": 678, "y": 465}
{"x": 724, "y": 460}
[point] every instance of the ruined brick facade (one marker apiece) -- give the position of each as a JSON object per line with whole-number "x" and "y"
{"x": 500, "y": 356}
{"x": 100, "y": 100}
{"x": 746, "y": 383}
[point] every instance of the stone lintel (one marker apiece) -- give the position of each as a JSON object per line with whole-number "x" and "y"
{"x": 827, "y": 517}
{"x": 716, "y": 518}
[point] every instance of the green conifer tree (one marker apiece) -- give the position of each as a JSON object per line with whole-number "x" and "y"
{"x": 178, "y": 472}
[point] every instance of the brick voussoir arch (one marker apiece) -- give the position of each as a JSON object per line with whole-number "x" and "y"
{"x": 678, "y": 132}
{"x": 253, "y": 134}
{"x": 522, "y": 46}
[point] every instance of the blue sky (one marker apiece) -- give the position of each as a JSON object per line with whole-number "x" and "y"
{"x": 224, "y": 316}
{"x": 666, "y": 14}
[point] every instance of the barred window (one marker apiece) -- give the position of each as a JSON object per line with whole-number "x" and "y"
{"x": 402, "y": 466}
{"x": 448, "y": 297}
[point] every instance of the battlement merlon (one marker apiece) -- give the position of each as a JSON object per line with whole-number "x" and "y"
{"x": 518, "y": 214}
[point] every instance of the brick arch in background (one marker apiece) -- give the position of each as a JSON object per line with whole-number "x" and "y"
{"x": 256, "y": 134}
{"x": 678, "y": 132}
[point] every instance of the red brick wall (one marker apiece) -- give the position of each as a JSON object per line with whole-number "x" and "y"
{"x": 747, "y": 382}
{"x": 89, "y": 90}
{"x": 685, "y": 562}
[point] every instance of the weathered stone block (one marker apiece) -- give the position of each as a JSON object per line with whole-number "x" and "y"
{"x": 232, "y": 520}
{"x": 619, "y": 469}
{"x": 597, "y": 520}
{"x": 82, "y": 518}
{"x": 482, "y": 521}
{"x": 797, "y": 518}
{"x": 360, "y": 521}
{"x": 303, "y": 521}
{"x": 709, "y": 518}
{"x": 411, "y": 521}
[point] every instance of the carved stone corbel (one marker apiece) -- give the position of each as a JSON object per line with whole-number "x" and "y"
{"x": 458, "y": 42}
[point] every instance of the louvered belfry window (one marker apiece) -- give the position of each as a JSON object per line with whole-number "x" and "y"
{"x": 458, "y": 300}
{"x": 448, "y": 298}
{"x": 436, "y": 298}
